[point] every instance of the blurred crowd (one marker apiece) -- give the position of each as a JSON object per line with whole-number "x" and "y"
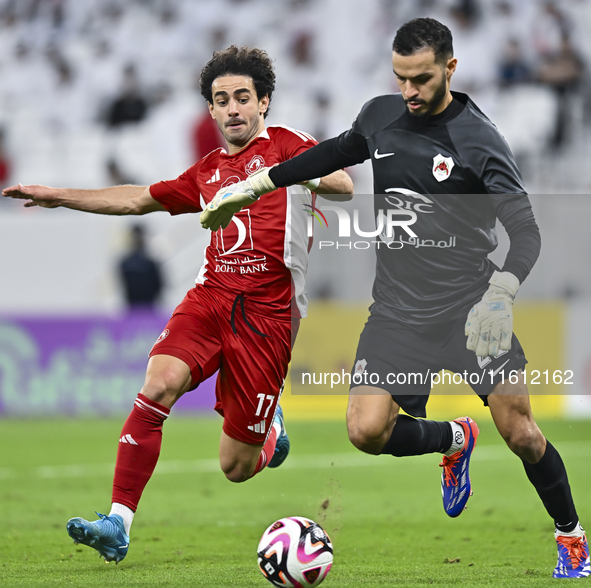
{"x": 96, "y": 92}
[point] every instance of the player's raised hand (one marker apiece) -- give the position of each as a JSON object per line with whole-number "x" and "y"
{"x": 35, "y": 195}
{"x": 489, "y": 326}
{"x": 228, "y": 201}
{"x": 225, "y": 204}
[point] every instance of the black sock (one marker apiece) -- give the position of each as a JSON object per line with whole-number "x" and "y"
{"x": 551, "y": 483}
{"x": 417, "y": 437}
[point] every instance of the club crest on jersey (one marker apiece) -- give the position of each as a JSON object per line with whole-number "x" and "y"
{"x": 360, "y": 366}
{"x": 254, "y": 165}
{"x": 442, "y": 167}
{"x": 163, "y": 336}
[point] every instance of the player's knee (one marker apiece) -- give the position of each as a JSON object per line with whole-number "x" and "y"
{"x": 163, "y": 387}
{"x": 367, "y": 436}
{"x": 237, "y": 472}
{"x": 527, "y": 442}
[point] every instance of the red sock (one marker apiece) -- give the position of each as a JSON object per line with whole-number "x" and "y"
{"x": 139, "y": 448}
{"x": 267, "y": 452}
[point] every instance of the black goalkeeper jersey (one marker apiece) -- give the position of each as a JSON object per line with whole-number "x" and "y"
{"x": 456, "y": 173}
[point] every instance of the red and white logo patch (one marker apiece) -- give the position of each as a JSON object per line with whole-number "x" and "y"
{"x": 360, "y": 366}
{"x": 442, "y": 167}
{"x": 255, "y": 164}
{"x": 163, "y": 336}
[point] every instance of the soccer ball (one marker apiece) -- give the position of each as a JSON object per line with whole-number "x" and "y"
{"x": 295, "y": 552}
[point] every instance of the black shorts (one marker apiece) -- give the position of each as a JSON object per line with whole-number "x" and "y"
{"x": 405, "y": 359}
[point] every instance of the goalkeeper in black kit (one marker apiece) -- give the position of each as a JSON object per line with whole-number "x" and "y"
{"x": 437, "y": 156}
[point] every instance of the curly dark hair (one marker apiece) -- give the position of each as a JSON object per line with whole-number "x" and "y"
{"x": 424, "y": 33}
{"x": 246, "y": 61}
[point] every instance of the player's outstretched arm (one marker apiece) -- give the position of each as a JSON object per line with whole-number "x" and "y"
{"x": 337, "y": 187}
{"x": 228, "y": 201}
{"x": 489, "y": 326}
{"x": 117, "y": 200}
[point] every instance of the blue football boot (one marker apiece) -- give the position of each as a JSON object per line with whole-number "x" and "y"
{"x": 455, "y": 477}
{"x": 107, "y": 535}
{"x": 282, "y": 447}
{"x": 573, "y": 554}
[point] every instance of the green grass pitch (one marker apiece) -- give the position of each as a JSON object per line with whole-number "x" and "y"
{"x": 194, "y": 528}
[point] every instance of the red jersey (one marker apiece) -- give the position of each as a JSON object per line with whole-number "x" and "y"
{"x": 263, "y": 253}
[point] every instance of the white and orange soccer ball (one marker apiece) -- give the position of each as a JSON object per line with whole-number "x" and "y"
{"x": 295, "y": 552}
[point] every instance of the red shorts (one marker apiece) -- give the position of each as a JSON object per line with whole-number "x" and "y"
{"x": 252, "y": 360}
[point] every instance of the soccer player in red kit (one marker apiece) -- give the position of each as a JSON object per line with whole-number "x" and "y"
{"x": 242, "y": 315}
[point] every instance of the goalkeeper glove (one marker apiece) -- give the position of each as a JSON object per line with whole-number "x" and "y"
{"x": 489, "y": 326}
{"x": 228, "y": 201}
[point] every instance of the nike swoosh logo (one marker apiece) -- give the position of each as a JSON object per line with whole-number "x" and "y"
{"x": 499, "y": 369}
{"x": 380, "y": 155}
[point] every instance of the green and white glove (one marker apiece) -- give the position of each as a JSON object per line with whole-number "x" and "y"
{"x": 489, "y": 326}
{"x": 228, "y": 201}
{"x": 260, "y": 183}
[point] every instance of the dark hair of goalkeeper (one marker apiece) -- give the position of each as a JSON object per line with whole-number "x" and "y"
{"x": 424, "y": 33}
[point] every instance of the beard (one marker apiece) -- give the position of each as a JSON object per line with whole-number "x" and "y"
{"x": 433, "y": 104}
